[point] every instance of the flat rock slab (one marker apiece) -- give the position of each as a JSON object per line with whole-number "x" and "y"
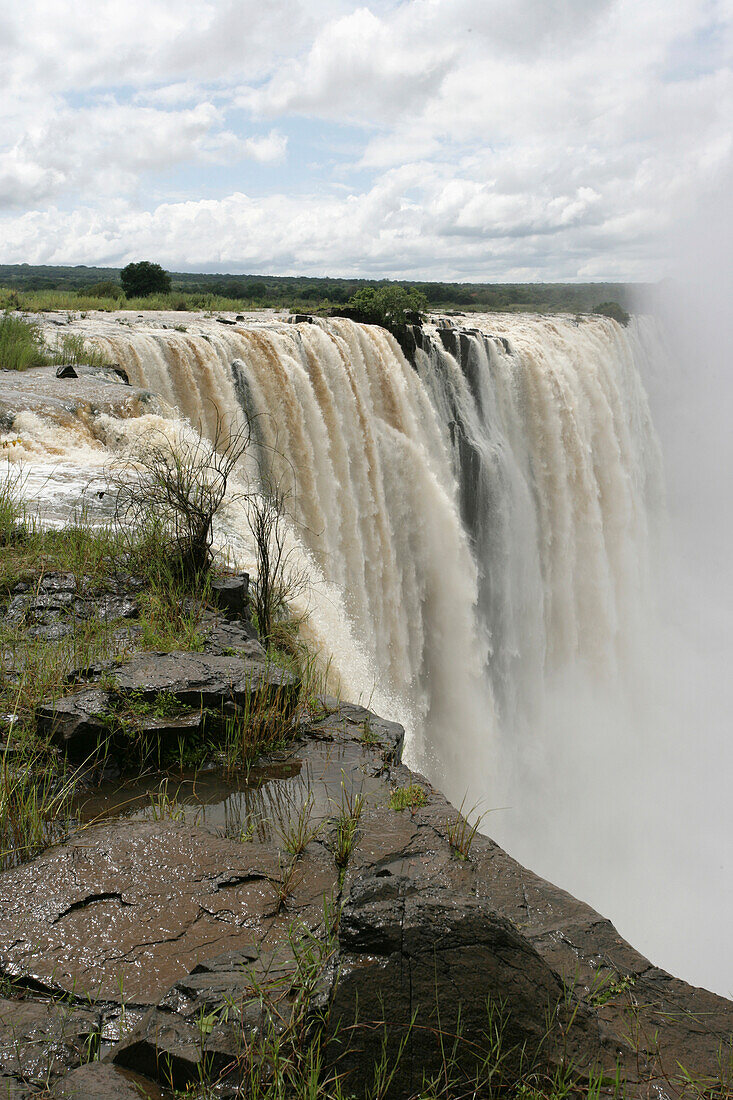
{"x": 126, "y": 910}
{"x": 40, "y": 1042}
{"x": 204, "y": 679}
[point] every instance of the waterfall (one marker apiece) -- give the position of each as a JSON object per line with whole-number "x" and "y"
{"x": 478, "y": 521}
{"x": 481, "y": 531}
{"x": 343, "y": 421}
{"x": 560, "y": 481}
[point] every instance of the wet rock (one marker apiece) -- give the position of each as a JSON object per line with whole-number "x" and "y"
{"x": 241, "y": 996}
{"x": 349, "y": 721}
{"x": 101, "y": 1081}
{"x": 123, "y": 911}
{"x": 421, "y": 930}
{"x": 106, "y": 374}
{"x": 52, "y": 608}
{"x": 231, "y": 594}
{"x": 76, "y": 723}
{"x": 430, "y": 962}
{"x": 40, "y": 1042}
{"x": 204, "y": 679}
{"x": 234, "y": 639}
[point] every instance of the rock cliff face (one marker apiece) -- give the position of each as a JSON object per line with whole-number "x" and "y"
{"x": 122, "y": 941}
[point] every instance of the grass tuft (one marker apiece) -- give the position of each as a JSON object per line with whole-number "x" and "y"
{"x": 409, "y": 798}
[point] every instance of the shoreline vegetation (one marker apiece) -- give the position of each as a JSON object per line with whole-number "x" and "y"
{"x": 39, "y": 288}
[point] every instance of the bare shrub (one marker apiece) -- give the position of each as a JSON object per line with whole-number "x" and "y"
{"x": 279, "y": 580}
{"x": 173, "y": 490}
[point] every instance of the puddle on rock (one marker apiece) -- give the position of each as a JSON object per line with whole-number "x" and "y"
{"x": 252, "y": 804}
{"x": 258, "y": 803}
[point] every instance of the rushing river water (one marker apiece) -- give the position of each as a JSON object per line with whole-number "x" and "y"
{"x": 484, "y": 536}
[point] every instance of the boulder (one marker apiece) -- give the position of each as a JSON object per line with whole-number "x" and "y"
{"x": 100, "y": 1081}
{"x": 198, "y": 689}
{"x": 204, "y": 679}
{"x": 231, "y": 594}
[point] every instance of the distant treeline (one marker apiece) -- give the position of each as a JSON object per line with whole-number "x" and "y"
{"x": 281, "y": 292}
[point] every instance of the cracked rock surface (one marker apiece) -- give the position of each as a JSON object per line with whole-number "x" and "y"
{"x": 176, "y": 923}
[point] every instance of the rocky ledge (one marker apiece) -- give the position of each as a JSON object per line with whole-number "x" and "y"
{"x": 151, "y": 952}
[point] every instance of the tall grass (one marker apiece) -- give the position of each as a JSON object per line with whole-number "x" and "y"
{"x": 21, "y": 344}
{"x": 40, "y": 301}
{"x": 35, "y": 806}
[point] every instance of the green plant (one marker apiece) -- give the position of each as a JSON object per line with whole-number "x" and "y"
{"x": 368, "y": 736}
{"x": 107, "y": 288}
{"x": 614, "y": 311}
{"x": 264, "y": 721}
{"x": 73, "y": 350}
{"x": 21, "y": 344}
{"x": 35, "y": 805}
{"x": 298, "y": 832}
{"x": 12, "y": 509}
{"x": 350, "y": 810}
{"x": 611, "y": 986}
{"x": 286, "y": 882}
{"x": 165, "y": 807}
{"x": 392, "y": 307}
{"x": 142, "y": 279}
{"x": 409, "y": 798}
{"x": 460, "y": 832}
{"x": 278, "y": 580}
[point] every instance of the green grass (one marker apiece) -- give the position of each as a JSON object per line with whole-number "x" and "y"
{"x": 69, "y": 301}
{"x": 35, "y": 805}
{"x": 460, "y": 832}
{"x": 409, "y": 798}
{"x": 347, "y": 823}
{"x": 22, "y": 345}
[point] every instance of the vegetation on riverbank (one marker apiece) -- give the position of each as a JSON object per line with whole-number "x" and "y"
{"x": 22, "y": 345}
{"x": 154, "y": 564}
{"x": 82, "y": 288}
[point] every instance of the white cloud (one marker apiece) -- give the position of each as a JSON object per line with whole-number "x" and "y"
{"x": 270, "y": 148}
{"x": 503, "y": 138}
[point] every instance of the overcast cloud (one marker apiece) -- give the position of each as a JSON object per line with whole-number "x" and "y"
{"x": 461, "y": 139}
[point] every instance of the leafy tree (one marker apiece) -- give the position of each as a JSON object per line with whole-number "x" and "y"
{"x": 392, "y": 307}
{"x": 142, "y": 279}
{"x": 613, "y": 310}
{"x": 106, "y": 289}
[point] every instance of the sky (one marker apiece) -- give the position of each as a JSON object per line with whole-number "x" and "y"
{"x": 497, "y": 140}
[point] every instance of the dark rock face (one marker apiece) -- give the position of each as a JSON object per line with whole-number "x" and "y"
{"x": 99, "y": 1081}
{"x": 202, "y": 679}
{"x": 51, "y": 608}
{"x": 231, "y": 594}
